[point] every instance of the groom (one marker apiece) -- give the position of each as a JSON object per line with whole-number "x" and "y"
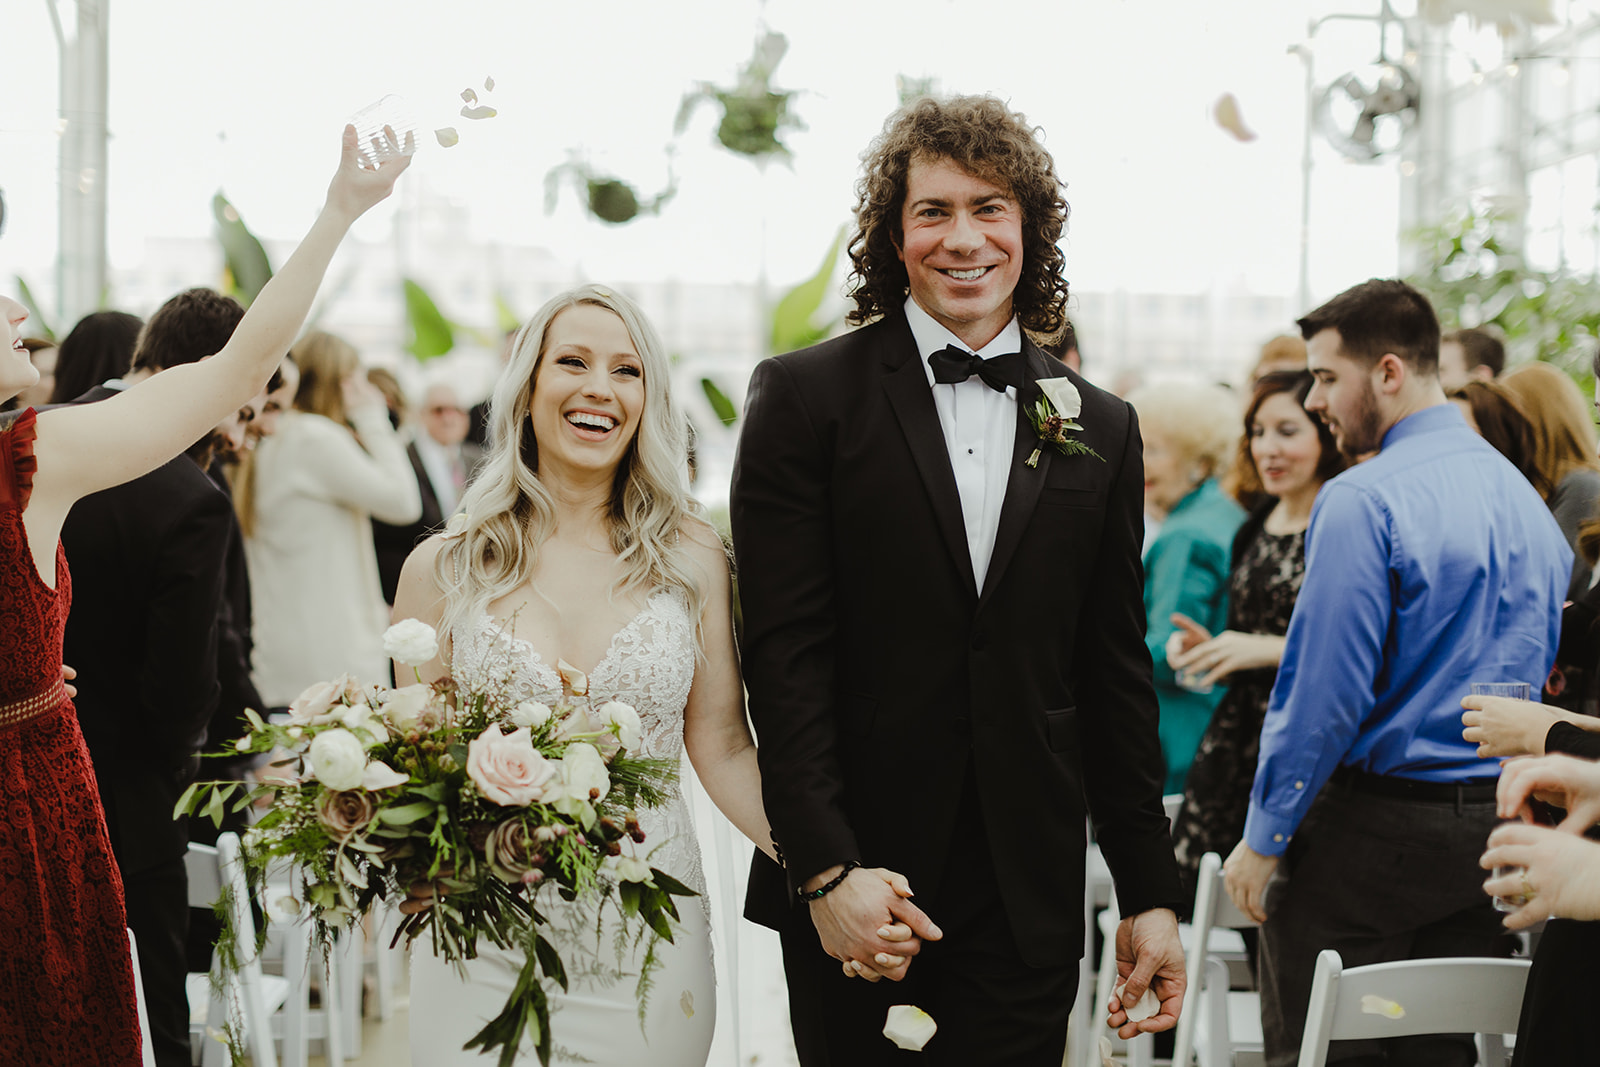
{"x": 943, "y": 632}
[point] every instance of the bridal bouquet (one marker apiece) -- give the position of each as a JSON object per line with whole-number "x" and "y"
{"x": 489, "y": 801}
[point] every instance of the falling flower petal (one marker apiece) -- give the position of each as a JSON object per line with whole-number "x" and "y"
{"x": 686, "y": 1002}
{"x": 1371, "y": 1004}
{"x": 1106, "y": 1059}
{"x": 447, "y": 138}
{"x": 574, "y": 679}
{"x": 483, "y": 112}
{"x": 488, "y": 85}
{"x": 469, "y": 96}
{"x": 909, "y": 1027}
{"x": 1226, "y": 112}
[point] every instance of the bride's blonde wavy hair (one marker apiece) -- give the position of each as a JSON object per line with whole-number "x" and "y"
{"x": 510, "y": 513}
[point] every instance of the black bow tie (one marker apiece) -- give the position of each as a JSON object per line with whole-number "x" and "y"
{"x": 951, "y": 364}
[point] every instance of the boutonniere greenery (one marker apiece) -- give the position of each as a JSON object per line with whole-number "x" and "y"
{"x": 1053, "y": 416}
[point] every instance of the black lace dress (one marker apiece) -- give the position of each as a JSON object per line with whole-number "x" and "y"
{"x": 1266, "y": 576}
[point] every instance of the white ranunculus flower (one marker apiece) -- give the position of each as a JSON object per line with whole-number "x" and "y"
{"x": 1063, "y": 396}
{"x": 403, "y": 706}
{"x": 338, "y": 758}
{"x": 624, "y": 720}
{"x": 530, "y": 713}
{"x": 909, "y": 1027}
{"x": 411, "y": 641}
{"x": 583, "y": 770}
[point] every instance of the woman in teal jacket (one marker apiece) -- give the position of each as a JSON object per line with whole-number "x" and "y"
{"x": 1189, "y": 434}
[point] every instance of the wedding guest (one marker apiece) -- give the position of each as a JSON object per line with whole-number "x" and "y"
{"x": 334, "y": 464}
{"x": 147, "y": 559}
{"x": 394, "y": 395}
{"x": 99, "y": 349}
{"x": 1291, "y": 454}
{"x": 1491, "y": 411}
{"x": 1470, "y": 355}
{"x": 66, "y": 980}
{"x": 1564, "y": 452}
{"x": 1189, "y": 434}
{"x": 1427, "y": 565}
{"x": 443, "y": 462}
{"x": 1559, "y": 877}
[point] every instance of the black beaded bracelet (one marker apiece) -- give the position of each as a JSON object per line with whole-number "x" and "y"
{"x": 823, "y": 890}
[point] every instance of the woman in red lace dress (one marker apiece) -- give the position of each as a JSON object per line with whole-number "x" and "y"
{"x": 66, "y": 982}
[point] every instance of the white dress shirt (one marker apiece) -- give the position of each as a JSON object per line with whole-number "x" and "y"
{"x": 440, "y": 463}
{"x": 980, "y": 430}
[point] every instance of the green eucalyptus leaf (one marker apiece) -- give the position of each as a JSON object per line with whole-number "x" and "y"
{"x": 719, "y": 402}
{"x": 38, "y": 326}
{"x": 793, "y": 324}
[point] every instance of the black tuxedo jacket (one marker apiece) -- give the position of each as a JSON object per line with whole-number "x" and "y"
{"x": 878, "y": 670}
{"x": 394, "y": 543}
{"x": 147, "y": 575}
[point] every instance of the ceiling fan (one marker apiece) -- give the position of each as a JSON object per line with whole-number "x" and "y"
{"x": 1365, "y": 113}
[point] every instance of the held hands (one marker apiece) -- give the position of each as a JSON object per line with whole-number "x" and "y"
{"x": 1501, "y": 726}
{"x": 1565, "y": 781}
{"x": 1149, "y": 956}
{"x": 1560, "y": 874}
{"x": 1215, "y": 658}
{"x": 869, "y": 923}
{"x": 357, "y": 186}
{"x": 1246, "y": 873}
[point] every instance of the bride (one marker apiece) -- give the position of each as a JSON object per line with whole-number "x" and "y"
{"x": 580, "y": 544}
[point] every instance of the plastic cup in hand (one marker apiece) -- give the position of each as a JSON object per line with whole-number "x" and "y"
{"x": 378, "y": 144}
{"x": 1516, "y": 691}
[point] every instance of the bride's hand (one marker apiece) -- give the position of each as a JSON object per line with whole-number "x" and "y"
{"x": 355, "y": 186}
{"x": 893, "y": 931}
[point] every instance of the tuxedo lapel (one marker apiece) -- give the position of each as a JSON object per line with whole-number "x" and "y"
{"x": 1024, "y": 482}
{"x": 906, "y": 384}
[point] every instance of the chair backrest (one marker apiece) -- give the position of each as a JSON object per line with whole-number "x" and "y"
{"x": 147, "y": 1052}
{"x": 208, "y": 870}
{"x": 204, "y": 872}
{"x": 1213, "y": 908}
{"x": 1430, "y": 996}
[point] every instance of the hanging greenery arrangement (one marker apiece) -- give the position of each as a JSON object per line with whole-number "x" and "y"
{"x": 754, "y": 114}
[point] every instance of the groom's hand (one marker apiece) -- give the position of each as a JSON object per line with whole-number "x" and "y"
{"x": 1149, "y": 956}
{"x": 856, "y": 923}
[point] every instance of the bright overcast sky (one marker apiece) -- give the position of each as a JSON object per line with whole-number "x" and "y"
{"x": 249, "y": 98}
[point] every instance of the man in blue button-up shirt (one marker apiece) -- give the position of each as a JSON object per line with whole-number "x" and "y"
{"x": 1430, "y": 566}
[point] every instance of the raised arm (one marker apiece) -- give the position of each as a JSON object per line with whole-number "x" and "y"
{"x": 85, "y": 448}
{"x": 418, "y": 597}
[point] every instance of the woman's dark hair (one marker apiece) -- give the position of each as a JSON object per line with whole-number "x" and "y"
{"x": 1245, "y": 482}
{"x": 990, "y": 141}
{"x": 99, "y": 348}
{"x": 1503, "y": 425}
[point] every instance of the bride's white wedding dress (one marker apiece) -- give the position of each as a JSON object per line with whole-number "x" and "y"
{"x": 650, "y": 665}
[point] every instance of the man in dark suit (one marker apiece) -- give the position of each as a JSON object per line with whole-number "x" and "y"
{"x": 444, "y": 461}
{"x": 147, "y": 575}
{"x": 943, "y": 626}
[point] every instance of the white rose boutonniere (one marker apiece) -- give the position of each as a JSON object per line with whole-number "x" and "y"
{"x": 1053, "y": 416}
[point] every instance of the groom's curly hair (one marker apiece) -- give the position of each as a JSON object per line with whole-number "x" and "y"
{"x": 986, "y": 138}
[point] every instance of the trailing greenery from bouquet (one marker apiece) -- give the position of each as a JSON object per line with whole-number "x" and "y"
{"x": 483, "y": 799}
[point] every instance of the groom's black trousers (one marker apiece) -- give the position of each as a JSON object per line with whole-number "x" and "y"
{"x": 990, "y": 1006}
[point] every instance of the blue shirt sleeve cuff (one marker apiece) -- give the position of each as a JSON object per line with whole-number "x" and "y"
{"x": 1266, "y": 833}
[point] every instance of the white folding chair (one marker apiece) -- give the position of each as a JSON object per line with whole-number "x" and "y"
{"x": 248, "y": 995}
{"x": 1207, "y": 1000}
{"x": 1408, "y": 997}
{"x": 147, "y": 1054}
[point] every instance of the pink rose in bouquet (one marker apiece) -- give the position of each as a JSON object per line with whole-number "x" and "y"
{"x": 506, "y": 768}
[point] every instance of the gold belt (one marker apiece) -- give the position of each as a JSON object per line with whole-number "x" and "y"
{"x": 31, "y": 707}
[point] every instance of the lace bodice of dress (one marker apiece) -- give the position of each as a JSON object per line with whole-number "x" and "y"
{"x": 649, "y": 664}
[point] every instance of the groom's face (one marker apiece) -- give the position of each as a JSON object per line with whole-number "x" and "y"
{"x": 961, "y": 242}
